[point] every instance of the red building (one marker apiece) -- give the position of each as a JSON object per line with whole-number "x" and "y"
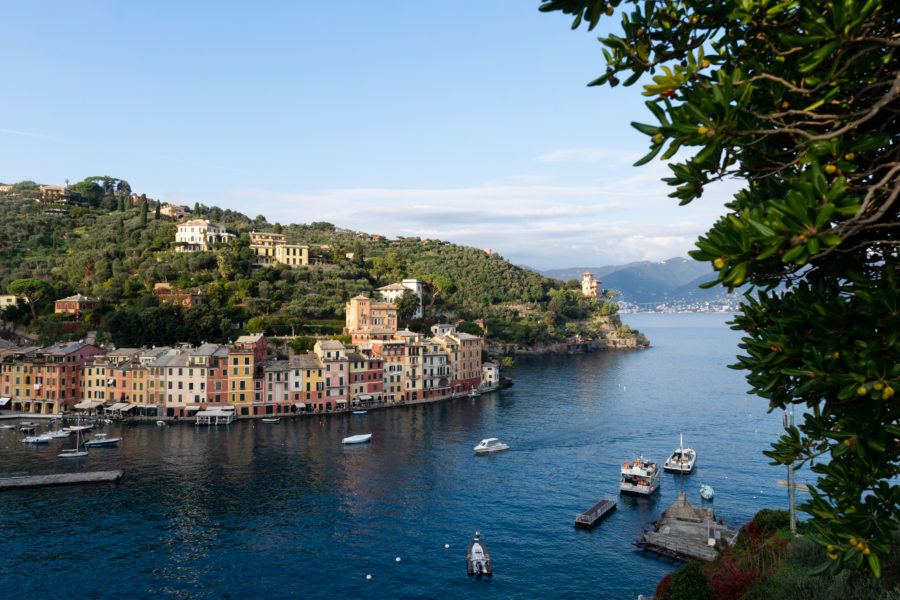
{"x": 57, "y": 374}
{"x": 75, "y": 305}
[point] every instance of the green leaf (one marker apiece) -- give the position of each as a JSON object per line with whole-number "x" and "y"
{"x": 763, "y": 229}
{"x": 875, "y": 565}
{"x": 649, "y": 156}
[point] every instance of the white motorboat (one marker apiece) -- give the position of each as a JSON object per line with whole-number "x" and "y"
{"x": 36, "y": 439}
{"x": 682, "y": 459}
{"x": 357, "y": 439}
{"x": 490, "y": 445}
{"x": 473, "y": 393}
{"x": 478, "y": 561}
{"x": 7, "y": 426}
{"x": 640, "y": 476}
{"x": 76, "y": 428}
{"x": 58, "y": 434}
{"x": 101, "y": 439}
{"x": 271, "y": 420}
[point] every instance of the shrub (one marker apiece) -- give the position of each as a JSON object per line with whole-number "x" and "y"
{"x": 770, "y": 520}
{"x": 689, "y": 583}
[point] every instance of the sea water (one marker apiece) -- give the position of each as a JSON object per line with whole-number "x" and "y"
{"x": 256, "y": 510}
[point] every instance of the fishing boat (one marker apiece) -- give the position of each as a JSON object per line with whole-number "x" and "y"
{"x": 478, "y": 561}
{"x": 101, "y": 439}
{"x": 682, "y": 459}
{"x": 640, "y": 476}
{"x": 75, "y": 452}
{"x": 706, "y": 492}
{"x": 357, "y": 439}
{"x": 490, "y": 445}
{"x": 271, "y": 420}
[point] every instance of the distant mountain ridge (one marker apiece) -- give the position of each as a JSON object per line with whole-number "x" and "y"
{"x": 675, "y": 280}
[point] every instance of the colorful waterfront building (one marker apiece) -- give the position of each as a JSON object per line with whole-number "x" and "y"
{"x": 241, "y": 368}
{"x": 57, "y": 371}
{"x": 366, "y": 377}
{"x": 333, "y": 356}
{"x": 213, "y": 358}
{"x": 309, "y": 372}
{"x": 275, "y": 396}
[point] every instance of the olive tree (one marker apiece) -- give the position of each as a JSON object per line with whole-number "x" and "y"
{"x": 799, "y": 100}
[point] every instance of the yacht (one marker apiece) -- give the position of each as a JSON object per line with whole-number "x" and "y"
{"x": 682, "y": 459}
{"x": 490, "y": 445}
{"x": 641, "y": 476}
{"x": 101, "y": 439}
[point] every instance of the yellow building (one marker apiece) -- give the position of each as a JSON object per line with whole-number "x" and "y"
{"x": 271, "y": 248}
{"x": 240, "y": 378}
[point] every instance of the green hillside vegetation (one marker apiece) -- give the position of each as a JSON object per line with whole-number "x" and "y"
{"x": 103, "y": 245}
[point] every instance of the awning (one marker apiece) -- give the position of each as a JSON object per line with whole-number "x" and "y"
{"x": 128, "y": 407}
{"x": 4, "y": 401}
{"x": 87, "y": 404}
{"x": 117, "y": 406}
{"x": 192, "y": 408}
{"x": 340, "y": 402}
{"x": 300, "y": 404}
{"x": 365, "y": 397}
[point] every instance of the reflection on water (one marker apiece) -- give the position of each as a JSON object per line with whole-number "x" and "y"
{"x": 285, "y": 510}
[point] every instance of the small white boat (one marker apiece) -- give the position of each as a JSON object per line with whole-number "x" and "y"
{"x": 160, "y": 423}
{"x": 360, "y": 412}
{"x": 357, "y": 439}
{"x": 682, "y": 459}
{"x": 58, "y": 434}
{"x": 7, "y": 426}
{"x": 36, "y": 439}
{"x": 75, "y": 452}
{"x": 26, "y": 429}
{"x": 271, "y": 420}
{"x": 490, "y": 445}
{"x": 473, "y": 393}
{"x": 706, "y": 492}
{"x": 77, "y": 428}
{"x": 478, "y": 561}
{"x": 101, "y": 439}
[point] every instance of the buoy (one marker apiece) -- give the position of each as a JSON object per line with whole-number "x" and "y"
{"x": 368, "y": 577}
{"x": 397, "y": 559}
{"x": 446, "y": 546}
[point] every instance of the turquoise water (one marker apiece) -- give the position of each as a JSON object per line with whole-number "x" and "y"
{"x": 285, "y": 511}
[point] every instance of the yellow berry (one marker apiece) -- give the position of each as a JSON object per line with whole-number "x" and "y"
{"x": 836, "y": 355}
{"x": 704, "y": 64}
{"x": 866, "y": 551}
{"x": 610, "y": 10}
{"x": 702, "y": 130}
{"x": 888, "y": 393}
{"x": 861, "y": 391}
{"x": 830, "y": 548}
{"x": 847, "y": 442}
{"x": 878, "y": 386}
{"x": 718, "y": 263}
{"x": 657, "y": 139}
{"x": 830, "y": 169}
{"x": 849, "y": 156}
{"x": 853, "y": 541}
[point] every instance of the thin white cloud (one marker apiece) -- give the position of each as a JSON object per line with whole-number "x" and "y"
{"x": 543, "y": 226}
{"x": 589, "y": 155}
{"x": 40, "y": 136}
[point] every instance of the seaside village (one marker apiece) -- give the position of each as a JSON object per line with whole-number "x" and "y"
{"x": 215, "y": 382}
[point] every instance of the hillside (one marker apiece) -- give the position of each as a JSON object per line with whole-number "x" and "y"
{"x": 115, "y": 247}
{"x": 674, "y": 281}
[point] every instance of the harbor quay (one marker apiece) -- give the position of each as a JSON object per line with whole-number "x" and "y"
{"x": 382, "y": 367}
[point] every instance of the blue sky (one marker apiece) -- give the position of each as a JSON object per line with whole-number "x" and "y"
{"x": 467, "y": 121}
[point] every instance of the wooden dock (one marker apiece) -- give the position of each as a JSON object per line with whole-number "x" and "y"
{"x": 595, "y": 514}
{"x": 35, "y": 481}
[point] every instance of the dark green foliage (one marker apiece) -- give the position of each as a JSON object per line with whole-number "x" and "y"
{"x": 470, "y": 328}
{"x": 800, "y": 101}
{"x": 407, "y": 304}
{"x": 689, "y": 583}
